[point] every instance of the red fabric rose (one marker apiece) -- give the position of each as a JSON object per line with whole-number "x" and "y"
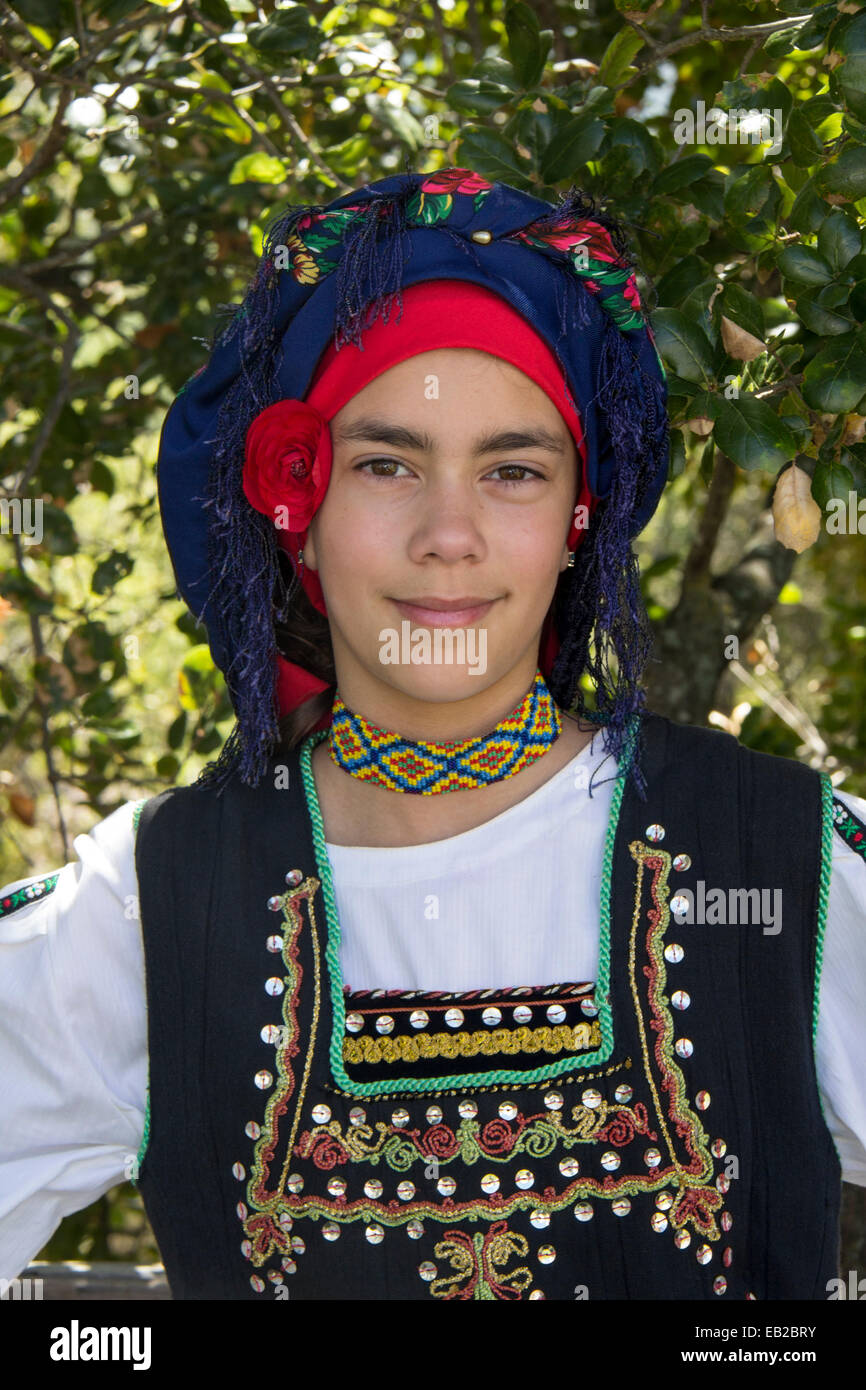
{"x": 287, "y": 466}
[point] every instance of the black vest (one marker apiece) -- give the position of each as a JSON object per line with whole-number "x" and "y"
{"x": 658, "y": 1137}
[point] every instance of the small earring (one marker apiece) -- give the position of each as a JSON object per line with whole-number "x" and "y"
{"x": 571, "y": 559}
{"x": 300, "y": 563}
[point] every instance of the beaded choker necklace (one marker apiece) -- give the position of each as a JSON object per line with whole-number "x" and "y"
{"x": 376, "y": 755}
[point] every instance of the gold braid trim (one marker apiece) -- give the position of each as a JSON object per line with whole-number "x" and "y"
{"x": 579, "y": 1037}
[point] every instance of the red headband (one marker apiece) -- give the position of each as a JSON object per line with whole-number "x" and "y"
{"x": 288, "y": 461}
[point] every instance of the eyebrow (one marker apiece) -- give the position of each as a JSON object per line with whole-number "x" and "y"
{"x": 374, "y": 428}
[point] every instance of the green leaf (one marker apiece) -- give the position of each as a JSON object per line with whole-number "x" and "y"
{"x": 808, "y": 209}
{"x": 681, "y": 343}
{"x": 835, "y": 379}
{"x": 744, "y": 309}
{"x": 489, "y": 154}
{"x": 110, "y": 571}
{"x": 684, "y": 172}
{"x": 258, "y": 168}
{"x": 478, "y": 96}
{"x": 527, "y": 45}
{"x": 846, "y": 175}
{"x": 617, "y": 57}
{"x": 287, "y": 32}
{"x": 805, "y": 266}
{"x": 831, "y": 480}
{"x": 681, "y": 279}
{"x": 572, "y": 148}
{"x": 676, "y": 464}
{"x": 806, "y": 147}
{"x": 58, "y": 532}
{"x": 839, "y": 239}
{"x": 751, "y": 434}
{"x": 746, "y": 193}
{"x": 851, "y": 77}
{"x": 818, "y": 311}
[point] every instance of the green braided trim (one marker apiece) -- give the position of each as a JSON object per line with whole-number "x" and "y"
{"x": 824, "y": 891}
{"x": 139, "y": 1158}
{"x": 472, "y": 1079}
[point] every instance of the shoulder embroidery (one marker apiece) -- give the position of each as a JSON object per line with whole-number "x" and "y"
{"x": 852, "y": 830}
{"x": 28, "y": 893}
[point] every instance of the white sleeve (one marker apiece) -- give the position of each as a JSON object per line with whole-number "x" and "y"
{"x": 73, "y": 1037}
{"x": 840, "y": 1045}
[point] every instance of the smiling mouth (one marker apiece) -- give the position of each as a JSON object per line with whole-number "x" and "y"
{"x": 470, "y": 611}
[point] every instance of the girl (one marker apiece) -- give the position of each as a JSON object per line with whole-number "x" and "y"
{"x": 451, "y": 992}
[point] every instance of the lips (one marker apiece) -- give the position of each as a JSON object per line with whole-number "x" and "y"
{"x": 439, "y": 612}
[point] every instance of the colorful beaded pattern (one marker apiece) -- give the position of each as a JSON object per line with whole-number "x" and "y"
{"x": 28, "y": 893}
{"x": 429, "y": 769}
{"x": 852, "y": 830}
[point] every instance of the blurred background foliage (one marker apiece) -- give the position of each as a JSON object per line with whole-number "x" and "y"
{"x": 148, "y": 145}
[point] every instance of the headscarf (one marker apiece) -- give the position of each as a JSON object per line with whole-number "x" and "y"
{"x": 326, "y": 275}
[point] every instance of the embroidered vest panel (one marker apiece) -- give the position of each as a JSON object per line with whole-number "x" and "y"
{"x": 654, "y": 1134}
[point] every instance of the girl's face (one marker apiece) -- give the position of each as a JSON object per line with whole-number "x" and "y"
{"x": 454, "y": 477}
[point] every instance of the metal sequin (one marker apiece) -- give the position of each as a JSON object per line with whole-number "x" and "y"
{"x": 680, "y": 999}
{"x": 239, "y": 1171}
{"x": 522, "y": 1014}
{"x": 274, "y": 985}
{"x": 539, "y": 1219}
{"x": 289, "y": 1265}
{"x": 467, "y": 1109}
{"x": 591, "y": 1098}
{"x": 720, "y": 1283}
{"x": 321, "y": 1114}
{"x": 415, "y": 1230}
{"x": 507, "y": 1110}
{"x": 583, "y": 1211}
{"x": 491, "y": 1017}
{"x": 702, "y": 1100}
{"x": 354, "y": 1022}
{"x": 252, "y": 1130}
{"x": 257, "y": 1282}
{"x": 419, "y": 1018}
{"x": 727, "y": 1256}
{"x": 483, "y": 237}
{"x": 337, "y": 1187}
{"x": 727, "y": 1221}
{"x": 241, "y": 1211}
{"x": 427, "y": 1271}
{"x": 682, "y": 862}
{"x": 682, "y": 1240}
{"x": 623, "y": 1094}
{"x": 331, "y": 1231}
{"x": 664, "y": 1201}
{"x": 357, "y": 1115}
{"x": 293, "y": 877}
{"x": 406, "y": 1191}
{"x": 556, "y": 1013}
{"x": 489, "y": 1183}
{"x": 718, "y": 1148}
{"x": 399, "y": 1118}
{"x": 271, "y": 1033}
{"x": 524, "y": 1178}
{"x": 546, "y": 1255}
{"x": 294, "y": 1182}
{"x": 723, "y": 1182}
{"x": 447, "y": 1187}
{"x": 703, "y": 1254}
{"x": 588, "y": 1007}
{"x": 246, "y": 1248}
{"x": 652, "y": 1158}
{"x": 659, "y": 1221}
{"x": 553, "y": 1100}
{"x": 275, "y": 904}
{"x": 375, "y": 1234}
{"x": 263, "y": 1080}
{"x": 679, "y": 905}
{"x": 274, "y": 943}
{"x": 622, "y": 1206}
{"x": 373, "y": 1188}
{"x": 569, "y": 1167}
{"x": 610, "y": 1161}
{"x": 384, "y": 1024}
{"x": 684, "y": 1047}
{"x": 454, "y": 1017}
{"x": 434, "y": 1115}
{"x": 674, "y": 953}
{"x": 655, "y": 833}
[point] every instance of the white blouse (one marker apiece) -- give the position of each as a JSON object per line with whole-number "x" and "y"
{"x": 451, "y": 915}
